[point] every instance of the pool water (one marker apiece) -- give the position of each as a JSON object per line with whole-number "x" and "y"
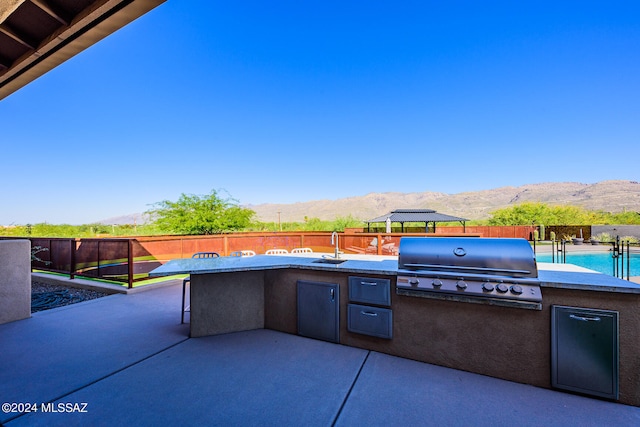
{"x": 599, "y": 261}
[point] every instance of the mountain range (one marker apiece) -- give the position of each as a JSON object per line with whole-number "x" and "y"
{"x": 608, "y": 196}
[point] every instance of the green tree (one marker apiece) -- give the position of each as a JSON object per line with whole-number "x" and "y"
{"x": 539, "y": 213}
{"x": 342, "y": 222}
{"x": 624, "y": 218}
{"x": 199, "y": 215}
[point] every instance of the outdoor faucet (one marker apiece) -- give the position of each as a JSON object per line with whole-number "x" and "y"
{"x": 334, "y": 241}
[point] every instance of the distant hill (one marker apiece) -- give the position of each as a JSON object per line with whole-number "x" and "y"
{"x": 608, "y": 196}
{"x": 137, "y": 218}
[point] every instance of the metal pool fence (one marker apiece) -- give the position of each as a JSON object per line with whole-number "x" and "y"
{"x": 619, "y": 251}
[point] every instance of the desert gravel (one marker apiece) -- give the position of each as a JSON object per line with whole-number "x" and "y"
{"x": 45, "y": 296}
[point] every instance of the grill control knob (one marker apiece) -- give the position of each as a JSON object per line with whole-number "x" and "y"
{"x": 414, "y": 281}
{"x": 488, "y": 287}
{"x": 502, "y": 288}
{"x": 436, "y": 283}
{"x": 461, "y": 284}
{"x": 516, "y": 289}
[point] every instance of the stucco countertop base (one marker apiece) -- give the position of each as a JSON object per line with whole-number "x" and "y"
{"x": 230, "y": 294}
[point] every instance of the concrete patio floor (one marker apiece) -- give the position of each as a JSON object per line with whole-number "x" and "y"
{"x": 128, "y": 358}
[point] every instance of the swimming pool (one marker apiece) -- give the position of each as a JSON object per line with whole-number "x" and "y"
{"x": 598, "y": 261}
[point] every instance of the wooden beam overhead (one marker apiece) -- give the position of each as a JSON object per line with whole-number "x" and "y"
{"x": 9, "y": 32}
{"x": 43, "y": 45}
{"x": 7, "y": 7}
{"x": 49, "y": 10}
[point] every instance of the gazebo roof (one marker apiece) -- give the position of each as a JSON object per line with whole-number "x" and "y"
{"x": 415, "y": 215}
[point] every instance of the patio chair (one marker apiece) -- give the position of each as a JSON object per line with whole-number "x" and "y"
{"x": 301, "y": 251}
{"x": 188, "y": 279}
{"x": 276, "y": 252}
{"x": 243, "y": 253}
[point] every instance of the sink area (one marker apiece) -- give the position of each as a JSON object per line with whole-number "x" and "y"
{"x": 329, "y": 261}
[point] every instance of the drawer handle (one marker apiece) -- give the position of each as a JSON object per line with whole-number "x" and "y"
{"x": 369, "y": 283}
{"x": 369, "y": 313}
{"x": 584, "y": 319}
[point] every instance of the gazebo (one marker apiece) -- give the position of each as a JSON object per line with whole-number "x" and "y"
{"x": 414, "y": 215}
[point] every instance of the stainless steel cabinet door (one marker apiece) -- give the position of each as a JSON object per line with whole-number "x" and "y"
{"x": 319, "y": 310}
{"x": 584, "y": 351}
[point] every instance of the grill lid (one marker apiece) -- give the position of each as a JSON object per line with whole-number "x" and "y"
{"x": 465, "y": 255}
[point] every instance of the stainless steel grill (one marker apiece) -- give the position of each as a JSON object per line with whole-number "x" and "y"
{"x": 485, "y": 270}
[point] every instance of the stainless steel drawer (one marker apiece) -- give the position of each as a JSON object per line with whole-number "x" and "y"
{"x": 374, "y": 321}
{"x": 368, "y": 290}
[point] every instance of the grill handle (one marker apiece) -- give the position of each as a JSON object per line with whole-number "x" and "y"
{"x": 584, "y": 318}
{"x": 464, "y": 268}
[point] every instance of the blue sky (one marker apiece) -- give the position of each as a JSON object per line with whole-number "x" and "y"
{"x": 286, "y": 101}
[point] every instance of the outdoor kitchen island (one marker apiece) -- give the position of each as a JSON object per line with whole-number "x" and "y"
{"x": 231, "y": 294}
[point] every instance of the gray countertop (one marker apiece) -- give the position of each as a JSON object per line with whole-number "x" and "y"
{"x": 550, "y": 275}
{"x": 271, "y": 262}
{"x": 588, "y": 281}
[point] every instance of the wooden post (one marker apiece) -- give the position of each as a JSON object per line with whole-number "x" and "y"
{"x": 72, "y": 256}
{"x": 130, "y": 261}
